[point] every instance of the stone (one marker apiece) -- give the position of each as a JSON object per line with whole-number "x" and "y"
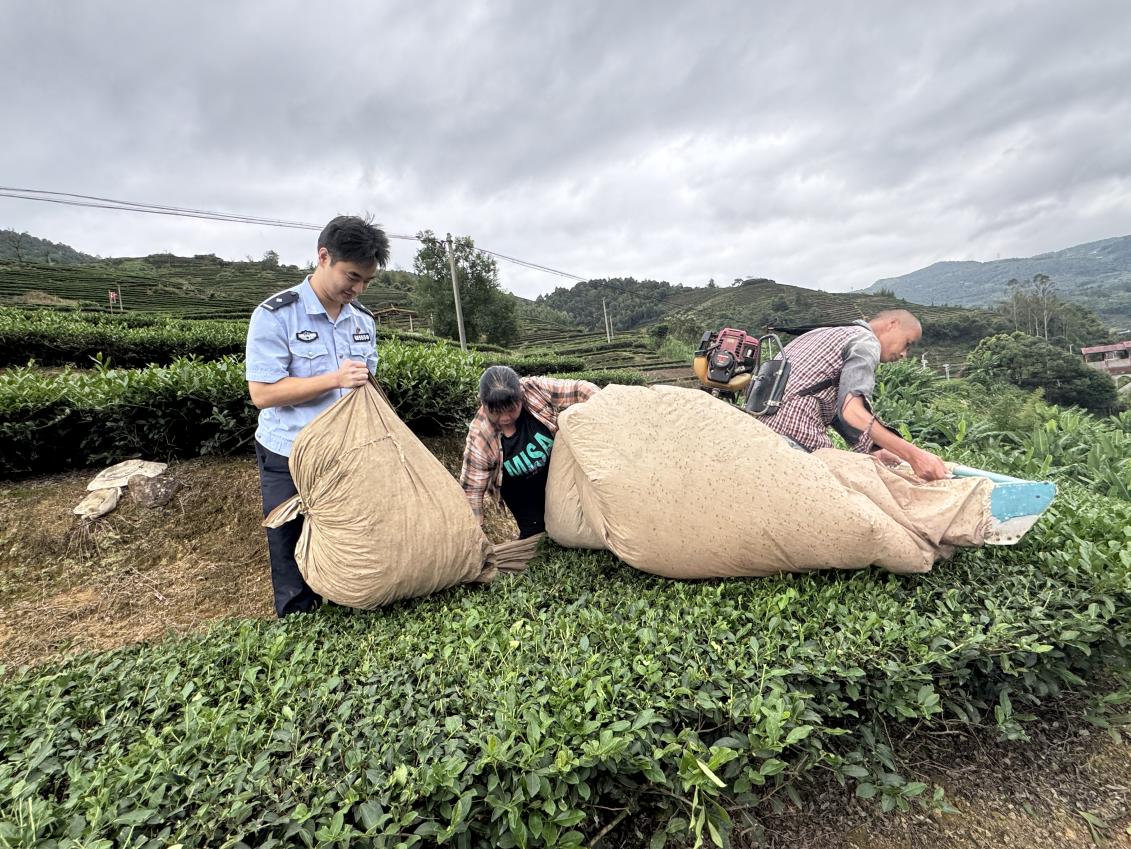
{"x": 153, "y": 491}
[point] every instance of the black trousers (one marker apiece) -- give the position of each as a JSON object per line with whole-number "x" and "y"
{"x": 292, "y": 595}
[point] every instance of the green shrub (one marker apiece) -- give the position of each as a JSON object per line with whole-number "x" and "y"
{"x": 526, "y": 364}
{"x": 432, "y": 387}
{"x": 134, "y": 340}
{"x": 529, "y": 713}
{"x": 76, "y": 419}
{"x": 627, "y": 377}
{"x": 60, "y": 338}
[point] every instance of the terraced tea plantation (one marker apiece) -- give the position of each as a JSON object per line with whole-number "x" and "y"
{"x": 200, "y": 288}
{"x": 630, "y": 350}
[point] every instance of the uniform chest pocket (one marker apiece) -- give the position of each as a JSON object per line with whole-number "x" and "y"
{"x": 309, "y": 359}
{"x": 364, "y": 352}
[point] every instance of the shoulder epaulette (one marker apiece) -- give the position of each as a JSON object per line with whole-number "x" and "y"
{"x": 358, "y": 305}
{"x": 283, "y": 299}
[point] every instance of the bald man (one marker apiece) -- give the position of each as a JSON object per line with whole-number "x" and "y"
{"x": 832, "y": 376}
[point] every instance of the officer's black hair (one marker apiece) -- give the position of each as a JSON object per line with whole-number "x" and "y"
{"x": 354, "y": 239}
{"x": 499, "y": 388}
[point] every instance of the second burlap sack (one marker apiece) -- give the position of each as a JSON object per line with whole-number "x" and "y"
{"x": 384, "y": 519}
{"x": 678, "y": 483}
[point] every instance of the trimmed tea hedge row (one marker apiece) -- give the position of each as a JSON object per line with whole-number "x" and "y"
{"x": 531, "y": 712}
{"x": 133, "y": 340}
{"x": 49, "y": 423}
{"x": 59, "y": 339}
{"x": 626, "y": 377}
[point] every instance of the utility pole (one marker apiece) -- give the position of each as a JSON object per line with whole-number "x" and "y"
{"x": 121, "y": 306}
{"x": 455, "y": 291}
{"x": 608, "y": 330}
{"x": 947, "y": 367}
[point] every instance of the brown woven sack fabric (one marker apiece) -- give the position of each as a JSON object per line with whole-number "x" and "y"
{"x": 384, "y": 519}
{"x": 684, "y": 485}
{"x": 514, "y": 556}
{"x": 940, "y": 515}
{"x": 565, "y": 518}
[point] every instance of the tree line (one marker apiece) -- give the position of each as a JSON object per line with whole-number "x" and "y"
{"x": 629, "y": 302}
{"x": 1032, "y": 307}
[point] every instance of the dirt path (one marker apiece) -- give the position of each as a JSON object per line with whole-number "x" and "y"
{"x": 137, "y": 574}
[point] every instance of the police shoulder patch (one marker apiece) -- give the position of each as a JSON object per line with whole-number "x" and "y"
{"x": 283, "y": 299}
{"x": 306, "y": 335}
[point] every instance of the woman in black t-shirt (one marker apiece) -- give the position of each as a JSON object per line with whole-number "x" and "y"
{"x": 510, "y": 440}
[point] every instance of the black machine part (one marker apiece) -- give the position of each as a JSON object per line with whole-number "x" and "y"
{"x": 767, "y": 387}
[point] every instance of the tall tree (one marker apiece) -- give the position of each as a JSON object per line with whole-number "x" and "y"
{"x": 1033, "y": 307}
{"x": 1045, "y": 291}
{"x": 1030, "y": 362}
{"x": 488, "y": 312}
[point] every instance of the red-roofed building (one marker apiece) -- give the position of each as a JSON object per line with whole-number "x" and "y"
{"x": 1114, "y": 359}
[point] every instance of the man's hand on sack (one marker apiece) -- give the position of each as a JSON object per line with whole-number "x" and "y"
{"x": 927, "y": 466}
{"x": 352, "y": 373}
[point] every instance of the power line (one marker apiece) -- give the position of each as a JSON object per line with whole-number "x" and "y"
{"x": 532, "y": 265}
{"x": 72, "y": 199}
{"x": 96, "y": 202}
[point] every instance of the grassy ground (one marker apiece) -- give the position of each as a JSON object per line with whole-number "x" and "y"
{"x": 136, "y": 574}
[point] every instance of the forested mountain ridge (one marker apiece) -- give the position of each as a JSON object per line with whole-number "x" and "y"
{"x": 23, "y": 247}
{"x": 1096, "y": 275}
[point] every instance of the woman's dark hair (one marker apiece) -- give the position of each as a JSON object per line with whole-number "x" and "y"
{"x": 354, "y": 239}
{"x": 499, "y": 388}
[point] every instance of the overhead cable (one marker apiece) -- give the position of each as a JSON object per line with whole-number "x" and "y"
{"x": 94, "y": 201}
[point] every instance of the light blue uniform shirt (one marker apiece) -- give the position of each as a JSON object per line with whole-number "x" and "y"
{"x": 300, "y": 340}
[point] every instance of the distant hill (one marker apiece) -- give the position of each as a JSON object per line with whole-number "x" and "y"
{"x": 1096, "y": 275}
{"x": 26, "y": 248}
{"x": 949, "y": 331}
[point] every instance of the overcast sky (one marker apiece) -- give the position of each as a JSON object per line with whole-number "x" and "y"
{"x": 820, "y": 144}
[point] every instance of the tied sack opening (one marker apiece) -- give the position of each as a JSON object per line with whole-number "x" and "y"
{"x": 385, "y": 520}
{"x": 681, "y": 484}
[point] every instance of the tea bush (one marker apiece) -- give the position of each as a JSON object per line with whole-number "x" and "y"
{"x": 603, "y": 377}
{"x": 133, "y": 340}
{"x": 538, "y": 365}
{"x": 59, "y": 339}
{"x": 52, "y": 422}
{"x": 530, "y": 712}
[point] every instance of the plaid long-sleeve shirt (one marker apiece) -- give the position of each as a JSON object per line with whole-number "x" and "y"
{"x": 838, "y": 356}
{"x": 545, "y": 398}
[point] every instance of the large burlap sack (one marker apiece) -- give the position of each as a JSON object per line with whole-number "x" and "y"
{"x": 565, "y": 518}
{"x": 384, "y": 519}
{"x": 681, "y": 484}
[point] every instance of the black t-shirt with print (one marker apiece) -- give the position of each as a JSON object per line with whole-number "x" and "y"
{"x": 526, "y": 465}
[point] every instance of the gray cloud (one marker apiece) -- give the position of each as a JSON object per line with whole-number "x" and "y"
{"x": 822, "y": 144}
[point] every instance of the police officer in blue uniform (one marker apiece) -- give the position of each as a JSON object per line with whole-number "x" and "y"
{"x": 307, "y": 347}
